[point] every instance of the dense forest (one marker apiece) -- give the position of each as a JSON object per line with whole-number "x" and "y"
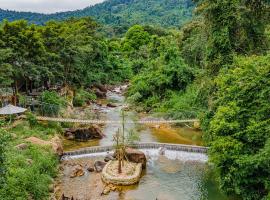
{"x": 216, "y": 68}
{"x": 119, "y": 14}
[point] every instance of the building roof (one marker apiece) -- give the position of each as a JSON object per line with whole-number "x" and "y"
{"x": 10, "y": 109}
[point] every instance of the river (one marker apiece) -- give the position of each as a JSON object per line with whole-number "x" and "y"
{"x": 186, "y": 176}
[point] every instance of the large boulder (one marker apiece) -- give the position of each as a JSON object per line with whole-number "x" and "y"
{"x": 55, "y": 144}
{"x": 84, "y": 134}
{"x": 136, "y": 156}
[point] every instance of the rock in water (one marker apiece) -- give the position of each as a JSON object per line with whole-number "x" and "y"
{"x": 99, "y": 165}
{"x": 78, "y": 171}
{"x": 111, "y": 105}
{"x": 99, "y": 93}
{"x": 108, "y": 188}
{"x": 136, "y": 156}
{"x": 161, "y": 151}
{"x": 108, "y": 158}
{"x": 90, "y": 169}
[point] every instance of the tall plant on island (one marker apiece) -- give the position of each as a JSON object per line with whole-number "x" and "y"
{"x": 122, "y": 141}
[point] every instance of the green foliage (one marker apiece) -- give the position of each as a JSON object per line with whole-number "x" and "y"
{"x": 32, "y": 120}
{"x": 119, "y": 14}
{"x": 136, "y": 37}
{"x": 6, "y": 69}
{"x": 26, "y": 173}
{"x": 51, "y": 103}
{"x": 239, "y": 131}
{"x": 193, "y": 43}
{"x": 164, "y": 71}
{"x": 4, "y": 139}
{"x": 233, "y": 27}
{"x": 184, "y": 105}
{"x": 69, "y": 53}
{"x": 82, "y": 96}
{"x": 22, "y": 100}
{"x": 27, "y": 179}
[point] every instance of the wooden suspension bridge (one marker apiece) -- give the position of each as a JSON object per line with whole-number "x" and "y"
{"x": 81, "y": 121}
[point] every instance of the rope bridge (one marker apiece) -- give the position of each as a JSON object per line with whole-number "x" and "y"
{"x": 80, "y": 121}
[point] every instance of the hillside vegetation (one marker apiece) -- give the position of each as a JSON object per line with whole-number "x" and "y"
{"x": 120, "y": 13}
{"x": 216, "y": 68}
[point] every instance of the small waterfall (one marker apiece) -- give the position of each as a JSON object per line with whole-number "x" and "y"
{"x": 152, "y": 150}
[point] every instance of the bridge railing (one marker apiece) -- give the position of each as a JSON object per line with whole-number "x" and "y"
{"x": 82, "y": 121}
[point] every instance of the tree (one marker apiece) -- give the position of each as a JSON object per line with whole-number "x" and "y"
{"x": 233, "y": 27}
{"x": 6, "y": 70}
{"x": 239, "y": 131}
{"x": 136, "y": 37}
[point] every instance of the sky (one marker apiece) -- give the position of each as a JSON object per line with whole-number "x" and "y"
{"x": 46, "y": 6}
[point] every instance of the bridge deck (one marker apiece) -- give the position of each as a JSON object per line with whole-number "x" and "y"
{"x": 81, "y": 121}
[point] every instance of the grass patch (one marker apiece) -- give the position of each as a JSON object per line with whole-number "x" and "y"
{"x": 28, "y": 172}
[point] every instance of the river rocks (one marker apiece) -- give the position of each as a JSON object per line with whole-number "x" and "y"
{"x": 99, "y": 165}
{"x": 108, "y": 188}
{"x": 55, "y": 143}
{"x": 99, "y": 93}
{"x": 70, "y": 136}
{"x": 134, "y": 155}
{"x": 111, "y": 105}
{"x": 108, "y": 158}
{"x": 102, "y": 88}
{"x": 161, "y": 151}
{"x": 22, "y": 146}
{"x": 84, "y": 134}
{"x": 77, "y": 172}
{"x": 90, "y": 169}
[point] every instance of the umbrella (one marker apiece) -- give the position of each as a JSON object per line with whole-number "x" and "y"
{"x": 10, "y": 110}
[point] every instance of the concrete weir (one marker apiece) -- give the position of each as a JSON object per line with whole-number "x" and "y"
{"x": 148, "y": 145}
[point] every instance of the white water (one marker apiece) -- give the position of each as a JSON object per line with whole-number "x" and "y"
{"x": 152, "y": 155}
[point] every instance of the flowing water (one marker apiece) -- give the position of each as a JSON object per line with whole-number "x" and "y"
{"x": 173, "y": 176}
{"x": 148, "y": 133}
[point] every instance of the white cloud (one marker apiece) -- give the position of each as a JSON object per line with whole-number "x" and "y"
{"x": 46, "y": 6}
